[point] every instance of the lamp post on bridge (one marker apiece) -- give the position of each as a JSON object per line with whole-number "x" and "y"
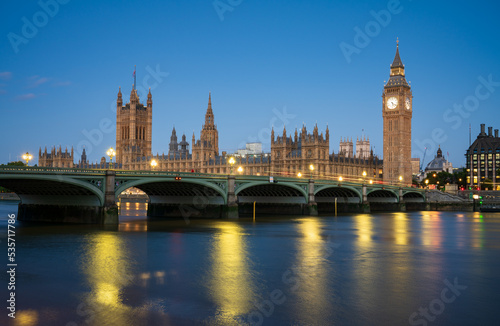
{"x": 153, "y": 164}
{"x": 400, "y": 189}
{"x": 231, "y": 163}
{"x": 365, "y": 199}
{"x": 27, "y": 157}
{"x": 111, "y": 153}
{"x": 311, "y": 168}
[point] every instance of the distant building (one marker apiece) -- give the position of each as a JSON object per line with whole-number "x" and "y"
{"x": 415, "y": 165}
{"x": 363, "y": 147}
{"x": 438, "y": 164}
{"x": 56, "y": 158}
{"x": 346, "y": 147}
{"x": 483, "y": 160}
{"x": 250, "y": 149}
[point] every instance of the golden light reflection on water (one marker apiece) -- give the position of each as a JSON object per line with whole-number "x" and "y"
{"x": 401, "y": 228}
{"x": 313, "y": 273}
{"x": 26, "y": 318}
{"x": 432, "y": 232}
{"x": 478, "y": 230}
{"x": 230, "y": 281}
{"x": 133, "y": 209}
{"x": 364, "y": 225}
{"x": 107, "y": 269}
{"x": 364, "y": 266}
{"x": 370, "y": 263}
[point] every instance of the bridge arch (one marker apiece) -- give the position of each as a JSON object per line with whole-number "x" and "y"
{"x": 328, "y": 193}
{"x": 54, "y": 189}
{"x": 413, "y": 196}
{"x": 382, "y": 195}
{"x": 266, "y": 192}
{"x": 158, "y": 187}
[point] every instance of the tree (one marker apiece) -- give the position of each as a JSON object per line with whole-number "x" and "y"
{"x": 16, "y": 163}
{"x": 460, "y": 178}
{"x": 439, "y": 178}
{"x": 2, "y": 189}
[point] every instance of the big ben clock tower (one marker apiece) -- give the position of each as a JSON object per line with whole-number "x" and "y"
{"x": 397, "y": 112}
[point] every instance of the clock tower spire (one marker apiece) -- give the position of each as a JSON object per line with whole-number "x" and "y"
{"x": 397, "y": 113}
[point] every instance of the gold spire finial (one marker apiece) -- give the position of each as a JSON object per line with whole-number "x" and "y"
{"x": 397, "y": 41}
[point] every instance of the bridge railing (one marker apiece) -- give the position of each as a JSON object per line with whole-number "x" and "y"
{"x": 42, "y": 170}
{"x": 149, "y": 173}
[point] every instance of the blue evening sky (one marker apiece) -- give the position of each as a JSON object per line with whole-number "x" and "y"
{"x": 265, "y": 62}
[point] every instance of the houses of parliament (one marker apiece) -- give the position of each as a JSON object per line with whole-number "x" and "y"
{"x": 290, "y": 154}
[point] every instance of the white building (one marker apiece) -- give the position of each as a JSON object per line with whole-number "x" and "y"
{"x": 250, "y": 149}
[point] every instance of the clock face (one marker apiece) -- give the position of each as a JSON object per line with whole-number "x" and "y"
{"x": 407, "y": 103}
{"x": 392, "y": 103}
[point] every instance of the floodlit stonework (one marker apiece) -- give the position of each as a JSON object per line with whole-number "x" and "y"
{"x": 397, "y": 112}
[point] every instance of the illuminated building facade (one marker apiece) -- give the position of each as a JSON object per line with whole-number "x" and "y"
{"x": 483, "y": 160}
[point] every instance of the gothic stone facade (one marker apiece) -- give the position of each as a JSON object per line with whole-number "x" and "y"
{"x": 397, "y": 113}
{"x": 289, "y": 155}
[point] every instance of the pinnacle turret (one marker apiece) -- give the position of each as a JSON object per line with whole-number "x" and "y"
{"x": 397, "y": 63}
{"x": 397, "y": 75}
{"x": 209, "y": 116}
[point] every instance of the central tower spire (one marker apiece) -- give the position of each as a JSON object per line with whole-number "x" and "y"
{"x": 209, "y": 116}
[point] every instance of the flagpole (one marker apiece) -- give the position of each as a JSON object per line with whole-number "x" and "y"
{"x": 134, "y": 78}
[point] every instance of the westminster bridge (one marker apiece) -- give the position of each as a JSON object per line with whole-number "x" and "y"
{"x": 91, "y": 196}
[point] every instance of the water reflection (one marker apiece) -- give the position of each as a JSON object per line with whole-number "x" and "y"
{"x": 132, "y": 209}
{"x": 377, "y": 239}
{"x": 230, "y": 279}
{"x": 364, "y": 226}
{"x": 108, "y": 271}
{"x": 478, "y": 230}
{"x": 432, "y": 229}
{"x": 364, "y": 267}
{"x": 313, "y": 274}
{"x": 401, "y": 228}
{"x": 26, "y": 318}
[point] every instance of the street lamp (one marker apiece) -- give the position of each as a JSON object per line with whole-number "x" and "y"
{"x": 364, "y": 176}
{"x": 111, "y": 153}
{"x": 371, "y": 182}
{"x": 231, "y": 163}
{"x": 400, "y": 180}
{"x": 311, "y": 167}
{"x": 299, "y": 175}
{"x": 427, "y": 183}
{"x": 340, "y": 179}
{"x": 153, "y": 163}
{"x": 240, "y": 169}
{"x": 27, "y": 157}
{"x": 475, "y": 197}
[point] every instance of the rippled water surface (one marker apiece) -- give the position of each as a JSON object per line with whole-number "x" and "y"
{"x": 415, "y": 268}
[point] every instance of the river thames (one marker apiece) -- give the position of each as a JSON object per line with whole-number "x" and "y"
{"x": 413, "y": 268}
